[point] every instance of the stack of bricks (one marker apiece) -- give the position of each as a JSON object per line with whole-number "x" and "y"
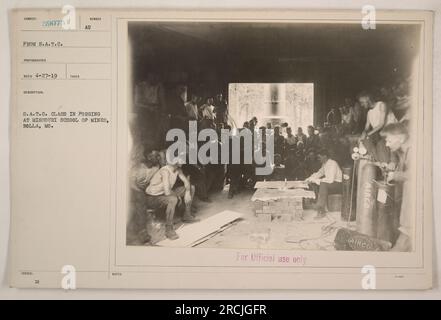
{"x": 284, "y": 210}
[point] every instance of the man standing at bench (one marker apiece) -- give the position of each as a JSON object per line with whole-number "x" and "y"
{"x": 162, "y": 193}
{"x": 328, "y": 180}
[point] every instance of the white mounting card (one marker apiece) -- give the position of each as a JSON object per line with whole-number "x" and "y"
{"x": 85, "y": 85}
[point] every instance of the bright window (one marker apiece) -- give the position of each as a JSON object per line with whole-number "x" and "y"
{"x": 272, "y": 102}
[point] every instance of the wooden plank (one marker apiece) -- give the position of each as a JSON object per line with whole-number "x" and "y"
{"x": 281, "y": 185}
{"x": 208, "y": 237}
{"x": 190, "y": 234}
{"x": 274, "y": 194}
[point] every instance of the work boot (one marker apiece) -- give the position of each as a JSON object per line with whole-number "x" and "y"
{"x": 320, "y": 214}
{"x": 188, "y": 218}
{"x": 170, "y": 232}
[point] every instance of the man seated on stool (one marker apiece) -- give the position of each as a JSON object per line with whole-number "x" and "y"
{"x": 161, "y": 193}
{"x": 398, "y": 140}
{"x": 328, "y": 181}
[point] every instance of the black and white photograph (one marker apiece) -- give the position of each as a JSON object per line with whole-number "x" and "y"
{"x": 244, "y": 151}
{"x": 264, "y": 135}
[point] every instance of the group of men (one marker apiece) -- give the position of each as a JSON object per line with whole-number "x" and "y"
{"x": 173, "y": 185}
{"x": 211, "y": 113}
{"x": 160, "y": 184}
{"x": 159, "y": 108}
{"x": 351, "y": 117}
{"x": 387, "y": 140}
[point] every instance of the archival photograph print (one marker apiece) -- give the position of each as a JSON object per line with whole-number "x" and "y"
{"x": 255, "y": 135}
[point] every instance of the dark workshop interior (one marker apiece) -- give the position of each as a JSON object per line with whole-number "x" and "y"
{"x": 338, "y": 183}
